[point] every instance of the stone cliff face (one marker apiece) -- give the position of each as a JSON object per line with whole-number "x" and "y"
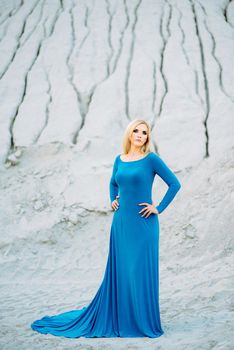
{"x": 77, "y": 72}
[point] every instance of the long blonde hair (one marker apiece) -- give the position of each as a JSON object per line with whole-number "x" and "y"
{"x": 128, "y": 131}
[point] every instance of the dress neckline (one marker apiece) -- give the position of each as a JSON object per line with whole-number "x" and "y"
{"x": 133, "y": 161}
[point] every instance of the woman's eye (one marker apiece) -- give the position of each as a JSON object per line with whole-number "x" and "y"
{"x": 136, "y": 130}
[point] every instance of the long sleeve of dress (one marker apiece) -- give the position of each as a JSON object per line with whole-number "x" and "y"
{"x": 161, "y": 169}
{"x": 113, "y": 187}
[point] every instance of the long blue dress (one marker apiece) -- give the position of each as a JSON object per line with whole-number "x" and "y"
{"x": 127, "y": 301}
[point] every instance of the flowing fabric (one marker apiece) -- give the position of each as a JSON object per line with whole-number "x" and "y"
{"x": 127, "y": 301}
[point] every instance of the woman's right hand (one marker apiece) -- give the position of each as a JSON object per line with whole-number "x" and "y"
{"x": 115, "y": 203}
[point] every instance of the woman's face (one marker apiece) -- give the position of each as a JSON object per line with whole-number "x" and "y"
{"x": 139, "y": 135}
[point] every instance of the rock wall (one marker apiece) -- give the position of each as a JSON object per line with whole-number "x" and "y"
{"x": 77, "y": 72}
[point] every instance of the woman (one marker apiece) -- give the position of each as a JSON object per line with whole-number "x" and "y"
{"x": 127, "y": 301}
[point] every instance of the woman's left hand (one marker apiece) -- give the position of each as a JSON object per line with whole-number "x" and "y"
{"x": 149, "y": 209}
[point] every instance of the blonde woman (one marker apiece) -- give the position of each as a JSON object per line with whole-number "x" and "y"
{"x": 127, "y": 301}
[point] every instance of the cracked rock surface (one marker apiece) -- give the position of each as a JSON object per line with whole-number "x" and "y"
{"x": 75, "y": 71}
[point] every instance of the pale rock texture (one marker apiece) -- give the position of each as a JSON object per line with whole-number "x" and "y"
{"x": 78, "y": 71}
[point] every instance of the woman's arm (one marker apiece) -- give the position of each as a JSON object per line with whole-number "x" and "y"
{"x": 113, "y": 187}
{"x": 160, "y": 168}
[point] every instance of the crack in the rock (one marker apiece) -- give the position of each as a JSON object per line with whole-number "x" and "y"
{"x": 154, "y": 88}
{"x": 18, "y": 41}
{"x": 154, "y": 118}
{"x": 61, "y": 4}
{"x": 46, "y": 36}
{"x": 165, "y": 40}
{"x": 47, "y": 107}
{"x": 49, "y": 101}
{"x": 121, "y": 38}
{"x": 187, "y": 56}
{"x": 225, "y": 12}
{"x": 197, "y": 87}
{"x": 131, "y": 54}
{"x": 109, "y": 35}
{"x": 169, "y": 20}
{"x": 183, "y": 37}
{"x": 70, "y": 67}
{"x": 83, "y": 103}
{"x": 35, "y": 24}
{"x": 87, "y": 14}
{"x": 205, "y": 80}
{"x": 26, "y": 80}
{"x": 23, "y": 95}
{"x": 12, "y": 12}
{"x": 213, "y": 52}
{"x": 86, "y": 100}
